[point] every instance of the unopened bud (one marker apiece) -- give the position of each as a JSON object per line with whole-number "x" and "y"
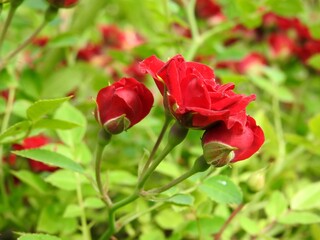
{"x": 177, "y": 134}
{"x": 256, "y": 181}
{"x": 217, "y": 153}
{"x": 200, "y": 165}
{"x": 117, "y": 125}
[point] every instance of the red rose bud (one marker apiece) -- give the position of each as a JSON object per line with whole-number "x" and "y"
{"x": 232, "y": 145}
{"x": 122, "y": 105}
{"x": 63, "y": 3}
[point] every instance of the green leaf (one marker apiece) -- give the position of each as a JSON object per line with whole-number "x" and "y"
{"x": 15, "y": 129}
{"x": 72, "y": 211}
{"x": 69, "y": 113}
{"x": 281, "y": 92}
{"x": 314, "y": 61}
{"x": 207, "y": 226}
{"x": 51, "y": 220}
{"x": 33, "y": 180}
{"x": 314, "y": 125}
{"x": 315, "y": 32}
{"x": 94, "y": 203}
{"x": 277, "y": 205}
{"x": 51, "y": 158}
{"x": 55, "y": 124}
{"x": 285, "y": 7}
{"x": 307, "y": 198}
{"x": 163, "y": 217}
{"x": 181, "y": 199}
{"x": 38, "y": 236}
{"x": 293, "y": 218}
{"x": 65, "y": 179}
{"x": 249, "y": 225}
{"x": 121, "y": 177}
{"x": 70, "y": 78}
{"x": 20, "y": 106}
{"x": 222, "y": 190}
{"x": 43, "y": 107}
{"x": 63, "y": 40}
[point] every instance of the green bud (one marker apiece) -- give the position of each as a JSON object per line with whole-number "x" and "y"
{"x": 117, "y": 125}
{"x": 217, "y": 153}
{"x": 200, "y": 165}
{"x": 256, "y": 181}
{"x": 51, "y": 13}
{"x": 177, "y": 134}
{"x": 104, "y": 137}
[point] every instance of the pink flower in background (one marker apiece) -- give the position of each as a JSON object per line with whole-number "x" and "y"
{"x": 250, "y": 63}
{"x": 281, "y": 45}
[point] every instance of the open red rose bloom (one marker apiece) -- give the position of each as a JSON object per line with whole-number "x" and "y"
{"x": 197, "y": 101}
{"x": 192, "y": 94}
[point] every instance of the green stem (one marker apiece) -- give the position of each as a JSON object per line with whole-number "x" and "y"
{"x": 154, "y": 165}
{"x": 7, "y": 23}
{"x": 197, "y": 42}
{"x": 98, "y": 157}
{"x": 157, "y": 144}
{"x": 84, "y": 225}
{"x": 172, "y": 183}
{"x": 127, "y": 219}
{"x": 22, "y": 45}
{"x": 4, "y": 126}
{"x": 200, "y": 165}
{"x": 281, "y": 159}
{"x": 103, "y": 139}
{"x": 190, "y": 10}
{"x": 112, "y": 228}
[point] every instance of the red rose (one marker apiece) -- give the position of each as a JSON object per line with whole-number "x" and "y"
{"x": 193, "y": 96}
{"x": 250, "y": 63}
{"x": 244, "y": 142}
{"x": 36, "y": 142}
{"x": 281, "y": 45}
{"x": 122, "y": 105}
{"x": 63, "y": 3}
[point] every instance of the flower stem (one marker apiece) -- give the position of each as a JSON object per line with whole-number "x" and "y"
{"x": 231, "y": 217}
{"x": 103, "y": 139}
{"x": 190, "y": 9}
{"x": 171, "y": 184}
{"x": 157, "y": 144}
{"x": 83, "y": 218}
{"x": 6, "y": 25}
{"x": 4, "y": 126}
{"x": 112, "y": 228}
{"x": 25, "y": 43}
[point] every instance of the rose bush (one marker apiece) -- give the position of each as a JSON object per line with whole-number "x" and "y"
{"x": 122, "y": 105}
{"x": 193, "y": 96}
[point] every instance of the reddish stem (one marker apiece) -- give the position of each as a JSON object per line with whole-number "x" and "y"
{"x": 231, "y": 217}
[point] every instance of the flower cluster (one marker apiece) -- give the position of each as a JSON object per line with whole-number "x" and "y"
{"x": 194, "y": 99}
{"x": 197, "y": 101}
